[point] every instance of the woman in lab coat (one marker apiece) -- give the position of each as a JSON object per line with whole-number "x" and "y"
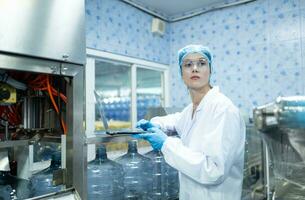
{"x": 209, "y": 154}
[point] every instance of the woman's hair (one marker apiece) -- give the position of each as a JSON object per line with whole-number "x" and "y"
{"x": 193, "y": 48}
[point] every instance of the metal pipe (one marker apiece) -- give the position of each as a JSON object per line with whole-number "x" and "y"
{"x": 7, "y": 135}
{"x": 267, "y": 170}
{"x": 5, "y": 125}
{"x": 33, "y": 112}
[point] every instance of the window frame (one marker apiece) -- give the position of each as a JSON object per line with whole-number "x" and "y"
{"x": 134, "y": 63}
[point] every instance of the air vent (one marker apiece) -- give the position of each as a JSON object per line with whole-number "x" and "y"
{"x": 158, "y": 26}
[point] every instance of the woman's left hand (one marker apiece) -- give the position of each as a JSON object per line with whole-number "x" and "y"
{"x": 156, "y": 137}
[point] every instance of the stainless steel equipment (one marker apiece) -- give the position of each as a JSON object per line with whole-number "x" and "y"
{"x": 33, "y": 111}
{"x": 282, "y": 125}
{"x": 45, "y": 29}
{"x": 45, "y": 38}
{"x": 253, "y": 183}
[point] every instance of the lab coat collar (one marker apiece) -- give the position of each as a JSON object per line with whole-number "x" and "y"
{"x": 211, "y": 93}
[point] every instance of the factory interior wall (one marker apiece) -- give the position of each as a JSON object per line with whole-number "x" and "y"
{"x": 258, "y": 47}
{"x": 258, "y": 51}
{"x": 116, "y": 27}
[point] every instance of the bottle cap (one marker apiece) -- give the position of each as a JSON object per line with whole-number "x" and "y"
{"x": 101, "y": 152}
{"x": 132, "y": 146}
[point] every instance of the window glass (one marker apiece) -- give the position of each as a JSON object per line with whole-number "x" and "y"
{"x": 149, "y": 93}
{"x": 113, "y": 84}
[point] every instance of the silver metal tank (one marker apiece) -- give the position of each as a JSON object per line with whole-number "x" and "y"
{"x": 282, "y": 125}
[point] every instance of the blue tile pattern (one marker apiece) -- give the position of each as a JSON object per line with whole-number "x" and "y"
{"x": 117, "y": 27}
{"x": 259, "y": 47}
{"x": 258, "y": 51}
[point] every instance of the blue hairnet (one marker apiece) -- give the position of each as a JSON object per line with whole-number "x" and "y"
{"x": 204, "y": 51}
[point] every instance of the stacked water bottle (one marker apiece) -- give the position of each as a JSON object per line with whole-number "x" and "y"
{"x": 12, "y": 187}
{"x": 132, "y": 176}
{"x": 119, "y": 108}
{"x": 42, "y": 182}
{"x": 145, "y": 102}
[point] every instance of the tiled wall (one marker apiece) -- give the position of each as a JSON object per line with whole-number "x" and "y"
{"x": 258, "y": 47}
{"x": 117, "y": 27}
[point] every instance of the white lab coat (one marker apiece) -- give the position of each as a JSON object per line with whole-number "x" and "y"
{"x": 210, "y": 154}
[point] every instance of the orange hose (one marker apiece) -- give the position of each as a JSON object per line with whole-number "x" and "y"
{"x": 62, "y": 96}
{"x": 64, "y": 126}
{"x": 51, "y": 95}
{"x": 54, "y": 104}
{"x": 54, "y": 92}
{"x": 42, "y": 83}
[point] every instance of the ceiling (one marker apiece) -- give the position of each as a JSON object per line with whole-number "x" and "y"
{"x": 169, "y": 9}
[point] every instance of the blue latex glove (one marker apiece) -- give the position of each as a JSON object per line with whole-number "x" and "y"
{"x": 156, "y": 138}
{"x": 144, "y": 124}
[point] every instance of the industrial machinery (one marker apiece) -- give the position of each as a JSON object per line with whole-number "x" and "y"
{"x": 42, "y": 57}
{"x": 253, "y": 183}
{"x": 282, "y": 126}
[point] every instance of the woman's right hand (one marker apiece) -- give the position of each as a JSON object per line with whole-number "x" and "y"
{"x": 145, "y": 124}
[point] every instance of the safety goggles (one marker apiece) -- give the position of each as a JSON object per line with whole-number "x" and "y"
{"x": 189, "y": 64}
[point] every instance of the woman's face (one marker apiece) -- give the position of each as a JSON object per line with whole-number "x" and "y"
{"x": 195, "y": 71}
